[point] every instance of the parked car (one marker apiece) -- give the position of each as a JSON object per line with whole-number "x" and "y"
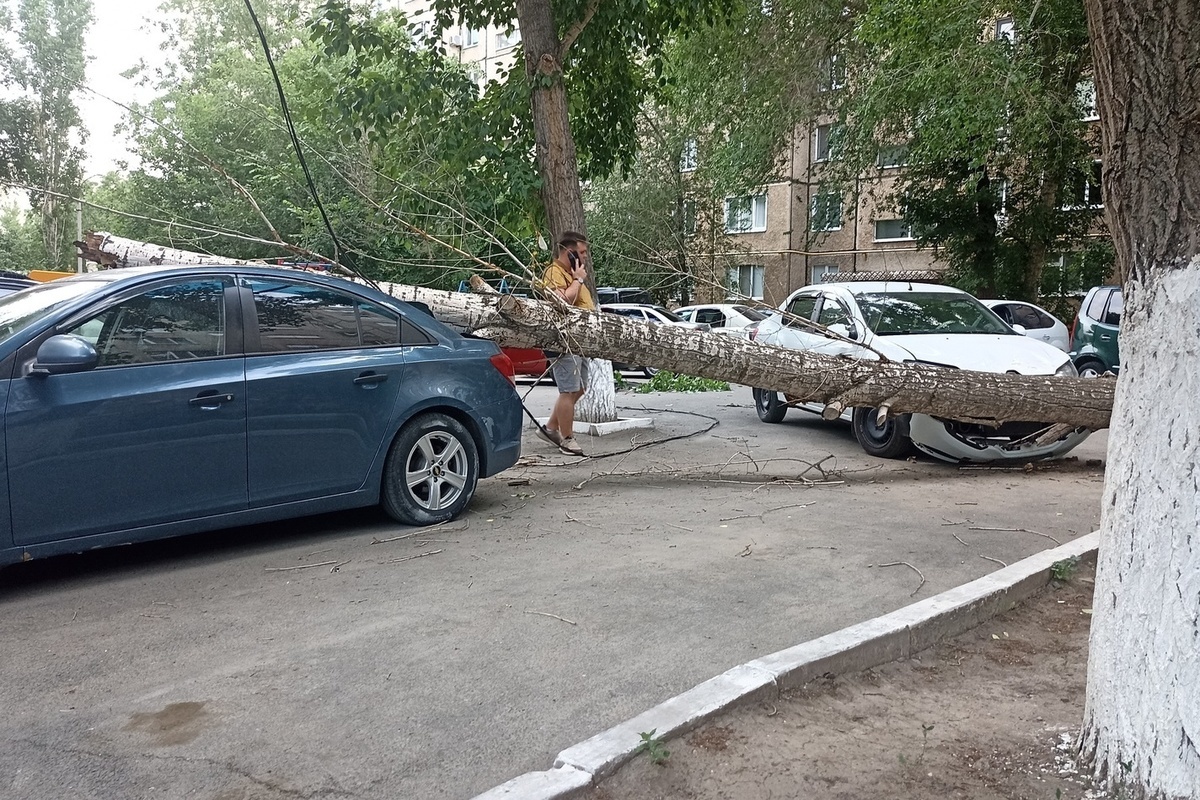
{"x": 723, "y": 317}
{"x": 1034, "y": 321}
{"x": 13, "y": 282}
{"x": 1094, "y": 336}
{"x": 624, "y": 294}
{"x": 151, "y": 402}
{"x": 924, "y": 323}
{"x": 655, "y": 315}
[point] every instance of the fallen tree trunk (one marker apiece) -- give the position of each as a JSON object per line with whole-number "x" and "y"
{"x": 838, "y": 383}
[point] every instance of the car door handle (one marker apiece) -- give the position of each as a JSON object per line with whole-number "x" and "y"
{"x": 210, "y": 400}
{"x": 1104, "y": 337}
{"x": 370, "y": 379}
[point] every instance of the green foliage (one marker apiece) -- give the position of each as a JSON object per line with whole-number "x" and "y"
{"x": 653, "y": 747}
{"x": 1062, "y": 571}
{"x": 664, "y": 381}
{"x": 997, "y": 150}
{"x": 619, "y": 382}
{"x": 20, "y": 240}
{"x": 40, "y": 125}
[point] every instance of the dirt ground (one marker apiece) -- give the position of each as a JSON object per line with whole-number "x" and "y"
{"x": 993, "y": 713}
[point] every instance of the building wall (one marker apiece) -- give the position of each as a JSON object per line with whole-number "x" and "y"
{"x": 490, "y": 51}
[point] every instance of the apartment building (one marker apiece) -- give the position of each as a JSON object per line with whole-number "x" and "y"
{"x": 489, "y": 52}
{"x": 795, "y": 232}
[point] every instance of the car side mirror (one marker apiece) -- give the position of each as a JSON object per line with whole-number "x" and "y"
{"x": 843, "y": 330}
{"x": 1019, "y": 329}
{"x": 63, "y": 354}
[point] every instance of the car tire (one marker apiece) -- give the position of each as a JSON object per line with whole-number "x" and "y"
{"x": 650, "y": 372}
{"x": 1090, "y": 368}
{"x": 768, "y": 406}
{"x": 889, "y": 440}
{"x": 431, "y": 471}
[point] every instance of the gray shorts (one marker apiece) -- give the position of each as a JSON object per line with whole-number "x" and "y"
{"x": 570, "y": 373}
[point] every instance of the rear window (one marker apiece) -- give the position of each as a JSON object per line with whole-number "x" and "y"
{"x": 1115, "y": 306}
{"x": 750, "y": 313}
{"x": 1095, "y": 308}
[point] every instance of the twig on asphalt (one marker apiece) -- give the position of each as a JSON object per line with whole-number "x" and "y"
{"x": 302, "y": 566}
{"x": 960, "y": 522}
{"x": 581, "y": 522}
{"x": 904, "y": 564}
{"x": 746, "y": 551}
{"x": 669, "y": 525}
{"x": 422, "y": 532}
{"x": 316, "y": 552}
{"x": 820, "y": 547}
{"x": 1016, "y": 530}
{"x": 336, "y": 567}
{"x": 552, "y": 616}
{"x": 998, "y": 561}
{"x": 410, "y": 558}
{"x": 960, "y": 541}
{"x": 768, "y": 511}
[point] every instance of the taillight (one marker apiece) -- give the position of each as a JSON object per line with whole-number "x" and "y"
{"x": 753, "y": 334}
{"x": 505, "y": 366}
{"x": 1071, "y": 333}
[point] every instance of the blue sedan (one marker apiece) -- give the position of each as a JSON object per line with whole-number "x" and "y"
{"x": 149, "y": 402}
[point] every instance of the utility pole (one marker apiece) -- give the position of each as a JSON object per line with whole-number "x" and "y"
{"x": 79, "y": 231}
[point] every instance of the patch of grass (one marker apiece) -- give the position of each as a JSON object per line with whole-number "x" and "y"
{"x": 1062, "y": 571}
{"x": 670, "y": 382}
{"x": 620, "y": 383}
{"x": 653, "y": 747}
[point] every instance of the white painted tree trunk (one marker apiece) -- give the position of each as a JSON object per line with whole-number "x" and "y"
{"x": 599, "y": 402}
{"x": 1143, "y": 691}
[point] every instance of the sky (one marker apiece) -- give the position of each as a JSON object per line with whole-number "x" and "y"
{"x": 119, "y": 37}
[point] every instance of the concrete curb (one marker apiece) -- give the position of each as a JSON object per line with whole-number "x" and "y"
{"x": 868, "y": 644}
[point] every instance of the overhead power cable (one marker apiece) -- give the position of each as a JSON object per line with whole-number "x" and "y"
{"x": 291, "y": 128}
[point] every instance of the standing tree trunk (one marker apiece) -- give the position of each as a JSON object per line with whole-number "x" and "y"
{"x": 558, "y": 166}
{"x": 1142, "y": 716}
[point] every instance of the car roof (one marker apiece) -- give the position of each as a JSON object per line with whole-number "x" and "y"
{"x": 630, "y": 305}
{"x": 882, "y": 287}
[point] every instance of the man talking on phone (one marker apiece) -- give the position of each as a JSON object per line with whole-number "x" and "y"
{"x": 567, "y": 277}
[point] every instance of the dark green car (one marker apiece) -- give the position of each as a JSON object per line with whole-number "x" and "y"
{"x": 1094, "y": 336}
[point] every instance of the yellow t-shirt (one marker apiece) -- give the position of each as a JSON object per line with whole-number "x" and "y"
{"x": 557, "y": 278}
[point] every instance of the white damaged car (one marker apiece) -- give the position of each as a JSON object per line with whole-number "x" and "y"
{"x": 917, "y": 322}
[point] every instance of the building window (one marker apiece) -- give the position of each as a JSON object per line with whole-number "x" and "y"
{"x": 471, "y": 37}
{"x": 831, "y": 73}
{"x": 689, "y": 217}
{"x": 1091, "y": 193}
{"x": 1005, "y": 30}
{"x": 746, "y": 281}
{"x": 746, "y": 214}
{"x": 824, "y": 272}
{"x": 507, "y": 38}
{"x": 825, "y": 212}
{"x": 826, "y": 141}
{"x": 890, "y": 230}
{"x": 1085, "y": 94}
{"x": 892, "y": 156}
{"x": 688, "y": 158}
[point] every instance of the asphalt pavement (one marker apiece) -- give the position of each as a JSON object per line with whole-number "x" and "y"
{"x": 347, "y": 656}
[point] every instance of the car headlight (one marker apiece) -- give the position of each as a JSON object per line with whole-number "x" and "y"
{"x": 1067, "y": 370}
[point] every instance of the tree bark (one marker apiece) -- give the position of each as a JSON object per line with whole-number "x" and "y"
{"x": 554, "y": 144}
{"x": 1142, "y": 713}
{"x": 844, "y": 382}
{"x": 558, "y": 165}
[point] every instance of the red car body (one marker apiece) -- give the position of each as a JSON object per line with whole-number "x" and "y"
{"x": 528, "y": 361}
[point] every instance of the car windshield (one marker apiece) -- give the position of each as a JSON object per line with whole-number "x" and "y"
{"x": 906, "y": 313}
{"x": 750, "y": 313}
{"x": 668, "y": 314}
{"x": 20, "y": 310}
